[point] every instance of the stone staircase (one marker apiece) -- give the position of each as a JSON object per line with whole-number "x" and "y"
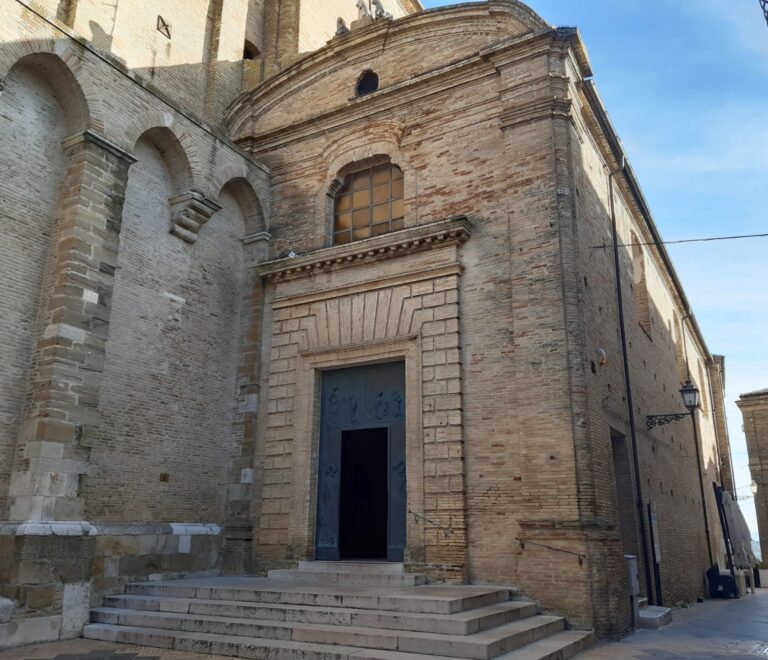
{"x": 334, "y": 611}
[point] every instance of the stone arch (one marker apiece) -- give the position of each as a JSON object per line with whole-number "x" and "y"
{"x": 174, "y": 155}
{"x": 154, "y": 119}
{"x": 58, "y": 73}
{"x": 253, "y": 212}
{"x": 361, "y": 146}
{"x": 256, "y": 184}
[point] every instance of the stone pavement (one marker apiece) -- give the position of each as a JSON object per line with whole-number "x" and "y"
{"x": 732, "y": 630}
{"x": 84, "y": 649}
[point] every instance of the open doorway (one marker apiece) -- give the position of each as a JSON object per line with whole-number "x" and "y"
{"x": 363, "y": 504}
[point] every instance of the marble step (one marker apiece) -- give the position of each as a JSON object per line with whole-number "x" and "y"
{"x": 159, "y": 627}
{"x": 348, "y": 577}
{"x": 461, "y": 623}
{"x": 364, "y": 567}
{"x": 435, "y": 599}
{"x": 560, "y": 646}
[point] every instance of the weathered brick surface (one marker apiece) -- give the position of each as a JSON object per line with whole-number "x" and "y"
{"x": 502, "y": 140}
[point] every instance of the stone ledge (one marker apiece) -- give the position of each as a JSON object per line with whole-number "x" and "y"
{"x": 388, "y": 246}
{"x": 83, "y": 528}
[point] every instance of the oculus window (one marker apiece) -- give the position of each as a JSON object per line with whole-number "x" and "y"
{"x": 369, "y": 203}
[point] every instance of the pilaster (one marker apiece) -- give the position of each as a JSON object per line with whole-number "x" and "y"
{"x": 61, "y": 416}
{"x": 238, "y": 538}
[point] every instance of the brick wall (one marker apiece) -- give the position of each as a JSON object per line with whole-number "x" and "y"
{"x": 169, "y": 400}
{"x": 667, "y": 454}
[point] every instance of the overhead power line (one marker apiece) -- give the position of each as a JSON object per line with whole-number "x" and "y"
{"x": 684, "y": 240}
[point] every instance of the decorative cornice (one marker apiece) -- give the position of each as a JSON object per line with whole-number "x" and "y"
{"x": 99, "y": 141}
{"x": 528, "y": 111}
{"x": 452, "y": 231}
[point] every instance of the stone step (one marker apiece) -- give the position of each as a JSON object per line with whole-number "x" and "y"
{"x": 365, "y": 567}
{"x": 653, "y": 617}
{"x": 434, "y": 599}
{"x": 162, "y": 628}
{"x": 560, "y": 646}
{"x": 348, "y": 577}
{"x": 461, "y": 623}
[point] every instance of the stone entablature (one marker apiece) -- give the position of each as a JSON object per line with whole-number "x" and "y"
{"x": 392, "y": 298}
{"x": 406, "y": 241}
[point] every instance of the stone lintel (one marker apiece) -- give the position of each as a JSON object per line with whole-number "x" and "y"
{"x": 98, "y": 140}
{"x": 189, "y": 212}
{"x": 412, "y": 239}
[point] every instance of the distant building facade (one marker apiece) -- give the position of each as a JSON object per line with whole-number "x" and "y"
{"x": 754, "y": 411}
{"x": 226, "y": 261}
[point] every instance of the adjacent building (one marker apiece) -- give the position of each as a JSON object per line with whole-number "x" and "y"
{"x": 754, "y": 411}
{"x": 280, "y": 287}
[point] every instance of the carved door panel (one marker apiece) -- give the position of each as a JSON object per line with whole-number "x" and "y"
{"x": 371, "y": 397}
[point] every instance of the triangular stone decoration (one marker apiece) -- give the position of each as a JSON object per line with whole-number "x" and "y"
{"x": 163, "y": 27}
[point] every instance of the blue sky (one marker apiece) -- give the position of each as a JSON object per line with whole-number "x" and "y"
{"x": 686, "y": 85}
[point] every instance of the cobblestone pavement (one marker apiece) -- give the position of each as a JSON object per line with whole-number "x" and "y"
{"x": 84, "y": 649}
{"x": 715, "y": 629}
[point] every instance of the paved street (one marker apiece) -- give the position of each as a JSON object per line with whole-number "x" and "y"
{"x": 714, "y": 629}
{"x": 729, "y": 630}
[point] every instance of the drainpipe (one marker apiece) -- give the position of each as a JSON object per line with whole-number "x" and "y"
{"x": 628, "y": 382}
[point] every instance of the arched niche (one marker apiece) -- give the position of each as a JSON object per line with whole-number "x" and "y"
{"x": 240, "y": 190}
{"x": 41, "y": 105}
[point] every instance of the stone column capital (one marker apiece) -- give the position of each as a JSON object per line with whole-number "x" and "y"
{"x": 89, "y": 137}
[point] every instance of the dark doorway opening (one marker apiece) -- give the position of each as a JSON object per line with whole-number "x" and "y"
{"x": 363, "y": 503}
{"x": 625, "y": 494}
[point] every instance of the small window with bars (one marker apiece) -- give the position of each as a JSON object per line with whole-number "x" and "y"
{"x": 369, "y": 203}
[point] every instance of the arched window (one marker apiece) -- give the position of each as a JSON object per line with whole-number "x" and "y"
{"x": 369, "y": 203}
{"x": 367, "y": 83}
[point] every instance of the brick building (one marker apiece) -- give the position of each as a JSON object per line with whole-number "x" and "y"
{"x": 234, "y": 241}
{"x": 754, "y": 411}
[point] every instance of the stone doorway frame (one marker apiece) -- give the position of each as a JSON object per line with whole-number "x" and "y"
{"x": 310, "y": 367}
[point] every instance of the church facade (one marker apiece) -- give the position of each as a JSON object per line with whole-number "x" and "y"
{"x": 299, "y": 280}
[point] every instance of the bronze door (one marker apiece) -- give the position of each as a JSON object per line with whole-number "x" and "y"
{"x": 361, "y": 504}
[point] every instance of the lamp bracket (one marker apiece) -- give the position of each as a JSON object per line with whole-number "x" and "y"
{"x": 661, "y": 420}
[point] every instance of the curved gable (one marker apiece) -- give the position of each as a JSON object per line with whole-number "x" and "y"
{"x": 398, "y": 51}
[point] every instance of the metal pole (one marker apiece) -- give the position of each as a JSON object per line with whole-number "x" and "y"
{"x": 701, "y": 486}
{"x": 628, "y": 388}
{"x": 656, "y": 567}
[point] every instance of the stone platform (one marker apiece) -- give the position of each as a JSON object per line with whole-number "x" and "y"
{"x": 334, "y": 611}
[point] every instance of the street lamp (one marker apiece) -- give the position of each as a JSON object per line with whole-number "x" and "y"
{"x": 690, "y": 394}
{"x": 753, "y": 487}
